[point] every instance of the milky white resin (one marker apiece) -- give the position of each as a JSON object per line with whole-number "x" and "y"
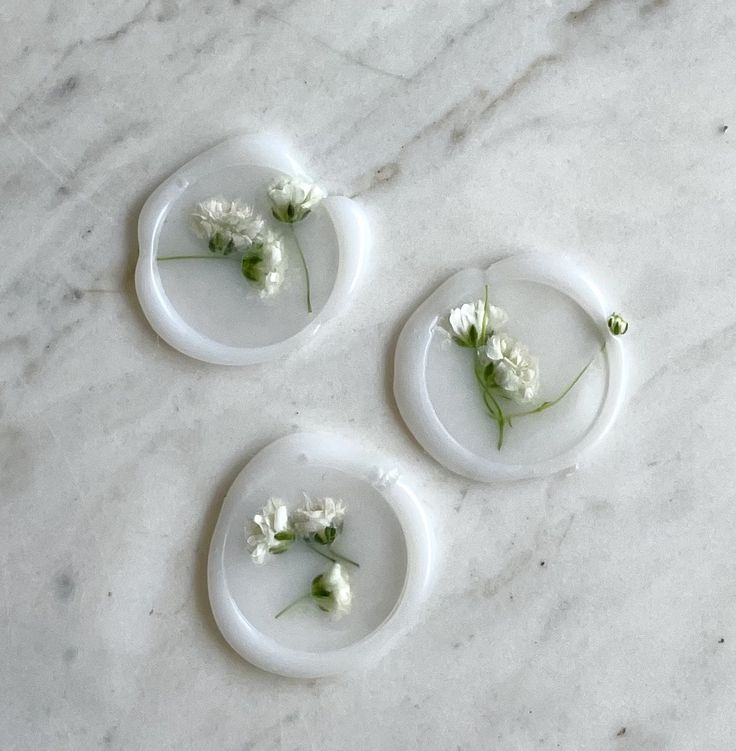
{"x": 386, "y": 531}
{"x": 206, "y": 309}
{"x": 561, "y": 315}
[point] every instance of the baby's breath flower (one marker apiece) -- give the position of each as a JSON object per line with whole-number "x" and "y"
{"x": 265, "y": 263}
{"x": 617, "y": 325}
{"x": 471, "y": 323}
{"x": 293, "y": 198}
{"x": 511, "y": 366}
{"x": 226, "y": 225}
{"x": 270, "y": 531}
{"x": 331, "y": 591}
{"x": 319, "y": 519}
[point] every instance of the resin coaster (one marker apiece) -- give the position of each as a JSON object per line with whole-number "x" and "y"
{"x": 385, "y": 531}
{"x": 205, "y": 308}
{"x": 561, "y": 316}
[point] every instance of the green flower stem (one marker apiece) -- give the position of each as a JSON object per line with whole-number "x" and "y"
{"x": 306, "y": 270}
{"x": 337, "y": 557}
{"x": 484, "y": 326}
{"x": 547, "y": 405}
{"x": 492, "y": 405}
{"x": 201, "y": 258}
{"x": 289, "y": 607}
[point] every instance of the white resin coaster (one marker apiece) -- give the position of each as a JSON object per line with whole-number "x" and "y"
{"x": 206, "y": 308}
{"x": 560, "y": 315}
{"x": 385, "y": 531}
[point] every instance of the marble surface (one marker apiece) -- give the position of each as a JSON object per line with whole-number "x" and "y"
{"x": 595, "y": 611}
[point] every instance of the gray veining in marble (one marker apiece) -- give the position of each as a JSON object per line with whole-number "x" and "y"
{"x": 592, "y": 612}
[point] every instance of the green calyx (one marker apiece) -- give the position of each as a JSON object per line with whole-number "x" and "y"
{"x": 326, "y": 537}
{"x": 219, "y": 246}
{"x": 250, "y": 265}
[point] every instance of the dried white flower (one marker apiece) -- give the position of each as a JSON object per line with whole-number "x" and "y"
{"x": 226, "y": 225}
{"x": 270, "y": 531}
{"x": 514, "y": 369}
{"x": 331, "y": 591}
{"x": 293, "y": 198}
{"x": 471, "y": 323}
{"x": 617, "y": 325}
{"x": 265, "y": 263}
{"x": 319, "y": 519}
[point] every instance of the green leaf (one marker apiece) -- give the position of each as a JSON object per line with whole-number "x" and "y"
{"x": 284, "y": 536}
{"x": 330, "y": 534}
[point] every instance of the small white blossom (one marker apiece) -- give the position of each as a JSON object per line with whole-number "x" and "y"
{"x": 226, "y": 225}
{"x": 293, "y": 198}
{"x": 319, "y": 519}
{"x": 515, "y": 370}
{"x": 471, "y": 322}
{"x": 617, "y": 325}
{"x": 265, "y": 264}
{"x": 270, "y": 531}
{"x": 331, "y": 591}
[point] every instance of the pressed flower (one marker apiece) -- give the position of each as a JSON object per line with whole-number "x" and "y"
{"x": 293, "y": 198}
{"x": 270, "y": 531}
{"x": 332, "y": 593}
{"x": 472, "y": 322}
{"x": 617, "y": 325}
{"x": 319, "y": 519}
{"x": 513, "y": 369}
{"x": 226, "y": 225}
{"x": 265, "y": 263}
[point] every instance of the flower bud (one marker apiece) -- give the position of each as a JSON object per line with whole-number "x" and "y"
{"x": 331, "y": 592}
{"x": 617, "y": 325}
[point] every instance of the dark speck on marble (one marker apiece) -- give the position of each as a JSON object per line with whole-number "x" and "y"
{"x": 66, "y": 87}
{"x": 458, "y": 134}
{"x": 64, "y": 586}
{"x": 723, "y": 128}
{"x": 621, "y": 732}
{"x": 70, "y": 654}
{"x": 721, "y": 640}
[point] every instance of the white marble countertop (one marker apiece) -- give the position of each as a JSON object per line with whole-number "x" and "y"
{"x": 595, "y": 611}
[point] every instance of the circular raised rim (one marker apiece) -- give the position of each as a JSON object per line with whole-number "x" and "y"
{"x": 264, "y": 651}
{"x": 412, "y": 395}
{"x": 347, "y": 218}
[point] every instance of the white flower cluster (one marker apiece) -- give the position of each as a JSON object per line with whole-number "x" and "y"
{"x": 508, "y": 363}
{"x": 270, "y": 531}
{"x": 471, "y": 322}
{"x": 515, "y": 371}
{"x": 292, "y": 198}
{"x": 317, "y": 521}
{"x": 226, "y": 225}
{"x": 332, "y": 593}
{"x": 230, "y": 226}
{"x": 266, "y": 264}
